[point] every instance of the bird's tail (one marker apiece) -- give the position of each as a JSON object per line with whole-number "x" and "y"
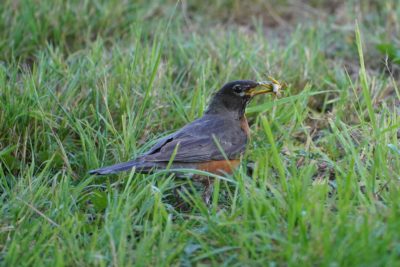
{"x": 142, "y": 167}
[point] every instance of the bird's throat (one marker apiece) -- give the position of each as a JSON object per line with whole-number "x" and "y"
{"x": 228, "y": 106}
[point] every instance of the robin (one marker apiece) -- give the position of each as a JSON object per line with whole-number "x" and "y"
{"x": 213, "y": 143}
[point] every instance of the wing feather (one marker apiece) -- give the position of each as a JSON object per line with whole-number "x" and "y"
{"x": 201, "y": 141}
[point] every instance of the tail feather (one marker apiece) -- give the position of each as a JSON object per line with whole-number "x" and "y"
{"x": 141, "y": 167}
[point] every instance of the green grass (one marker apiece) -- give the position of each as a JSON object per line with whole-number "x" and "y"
{"x": 90, "y": 83}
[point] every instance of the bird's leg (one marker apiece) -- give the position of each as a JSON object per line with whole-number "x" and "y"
{"x": 208, "y": 189}
{"x": 250, "y": 168}
{"x": 181, "y": 205}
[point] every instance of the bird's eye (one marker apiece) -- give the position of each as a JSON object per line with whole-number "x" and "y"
{"x": 237, "y": 88}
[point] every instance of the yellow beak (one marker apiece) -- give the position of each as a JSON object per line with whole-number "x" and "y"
{"x": 270, "y": 86}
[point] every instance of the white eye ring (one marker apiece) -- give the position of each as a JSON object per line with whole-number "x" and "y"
{"x": 237, "y": 88}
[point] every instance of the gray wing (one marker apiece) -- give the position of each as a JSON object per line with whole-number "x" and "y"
{"x": 201, "y": 140}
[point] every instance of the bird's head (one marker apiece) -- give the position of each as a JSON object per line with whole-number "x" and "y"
{"x": 234, "y": 96}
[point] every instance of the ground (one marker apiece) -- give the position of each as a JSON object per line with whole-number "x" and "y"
{"x": 89, "y": 83}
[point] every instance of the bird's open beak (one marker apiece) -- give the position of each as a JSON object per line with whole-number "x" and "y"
{"x": 265, "y": 87}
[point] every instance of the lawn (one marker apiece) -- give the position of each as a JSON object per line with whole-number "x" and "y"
{"x": 84, "y": 84}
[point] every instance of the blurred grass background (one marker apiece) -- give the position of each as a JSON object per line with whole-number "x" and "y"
{"x": 90, "y": 83}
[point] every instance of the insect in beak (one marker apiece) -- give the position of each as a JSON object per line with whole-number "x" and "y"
{"x": 269, "y": 86}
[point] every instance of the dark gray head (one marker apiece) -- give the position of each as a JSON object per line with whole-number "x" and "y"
{"x": 234, "y": 96}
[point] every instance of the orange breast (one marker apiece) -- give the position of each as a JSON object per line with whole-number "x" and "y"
{"x": 245, "y": 126}
{"x": 219, "y": 166}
